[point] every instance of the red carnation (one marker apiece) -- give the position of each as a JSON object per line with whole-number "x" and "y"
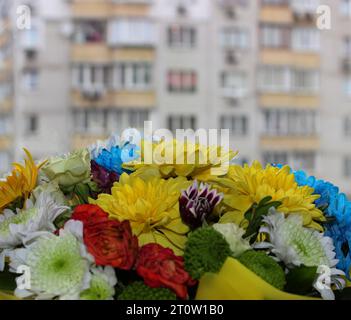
{"x": 160, "y": 267}
{"x": 89, "y": 214}
{"x": 110, "y": 242}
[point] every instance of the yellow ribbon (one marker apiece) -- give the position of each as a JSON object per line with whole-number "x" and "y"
{"x": 236, "y": 282}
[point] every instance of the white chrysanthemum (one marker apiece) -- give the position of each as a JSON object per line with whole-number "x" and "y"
{"x": 234, "y": 236}
{"x": 58, "y": 265}
{"x": 14, "y": 227}
{"x": 296, "y": 245}
{"x": 102, "y": 285}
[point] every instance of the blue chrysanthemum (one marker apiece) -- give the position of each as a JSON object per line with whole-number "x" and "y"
{"x": 335, "y": 205}
{"x": 111, "y": 155}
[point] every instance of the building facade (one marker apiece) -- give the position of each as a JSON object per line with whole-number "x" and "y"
{"x": 262, "y": 69}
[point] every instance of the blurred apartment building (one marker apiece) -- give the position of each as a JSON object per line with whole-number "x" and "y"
{"x": 260, "y": 68}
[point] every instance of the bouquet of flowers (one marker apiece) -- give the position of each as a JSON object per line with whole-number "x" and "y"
{"x": 106, "y": 223}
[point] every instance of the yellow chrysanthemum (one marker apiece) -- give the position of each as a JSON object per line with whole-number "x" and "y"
{"x": 151, "y": 207}
{"x": 179, "y": 159}
{"x": 248, "y": 185}
{"x": 20, "y": 182}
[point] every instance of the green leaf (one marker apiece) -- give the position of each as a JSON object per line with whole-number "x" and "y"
{"x": 343, "y": 295}
{"x": 300, "y": 280}
{"x": 62, "y": 219}
{"x": 255, "y": 216}
{"x": 7, "y": 281}
{"x": 83, "y": 192}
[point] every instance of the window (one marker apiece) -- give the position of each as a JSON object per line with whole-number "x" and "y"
{"x": 347, "y": 167}
{"x": 240, "y": 160}
{"x": 234, "y": 38}
{"x": 31, "y": 79}
{"x": 347, "y": 85}
{"x": 31, "y": 37}
{"x": 137, "y": 118}
{"x": 182, "y": 81}
{"x": 345, "y": 8}
{"x": 238, "y": 125}
{"x": 306, "y": 81}
{"x": 274, "y": 79}
{"x": 275, "y": 157}
{"x": 91, "y": 31}
{"x": 234, "y": 84}
{"x": 135, "y": 32}
{"x": 289, "y": 122}
{"x": 106, "y": 121}
{"x": 275, "y": 2}
{"x": 6, "y": 51}
{"x": 297, "y": 160}
{"x": 347, "y": 126}
{"x": 32, "y": 124}
{"x": 181, "y": 122}
{"x": 133, "y": 76}
{"x": 305, "y": 6}
{"x": 306, "y": 39}
{"x": 275, "y": 36}
{"x": 5, "y": 125}
{"x": 304, "y": 160}
{"x": 6, "y": 90}
{"x": 181, "y": 37}
{"x": 4, "y": 161}
{"x": 285, "y": 79}
{"x": 347, "y": 47}
{"x": 91, "y": 77}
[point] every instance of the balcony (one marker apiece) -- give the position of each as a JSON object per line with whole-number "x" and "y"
{"x": 116, "y": 99}
{"x": 288, "y": 100}
{"x": 5, "y": 38}
{"x": 5, "y": 142}
{"x": 6, "y": 105}
{"x": 279, "y": 14}
{"x": 6, "y": 65}
{"x": 302, "y": 143}
{"x": 134, "y": 54}
{"x": 91, "y": 53}
{"x": 286, "y": 57}
{"x": 107, "y": 8}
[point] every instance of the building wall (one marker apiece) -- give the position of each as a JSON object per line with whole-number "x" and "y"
{"x": 72, "y": 111}
{"x": 42, "y": 121}
{"x": 335, "y": 104}
{"x": 196, "y": 58}
{"x": 229, "y": 104}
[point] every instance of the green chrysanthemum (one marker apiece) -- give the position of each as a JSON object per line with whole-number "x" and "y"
{"x": 265, "y": 267}
{"x": 58, "y": 265}
{"x": 101, "y": 285}
{"x": 205, "y": 251}
{"x": 140, "y": 291}
{"x": 296, "y": 245}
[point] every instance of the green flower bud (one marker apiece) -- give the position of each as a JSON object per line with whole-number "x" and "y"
{"x": 140, "y": 291}
{"x": 206, "y": 251}
{"x": 265, "y": 267}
